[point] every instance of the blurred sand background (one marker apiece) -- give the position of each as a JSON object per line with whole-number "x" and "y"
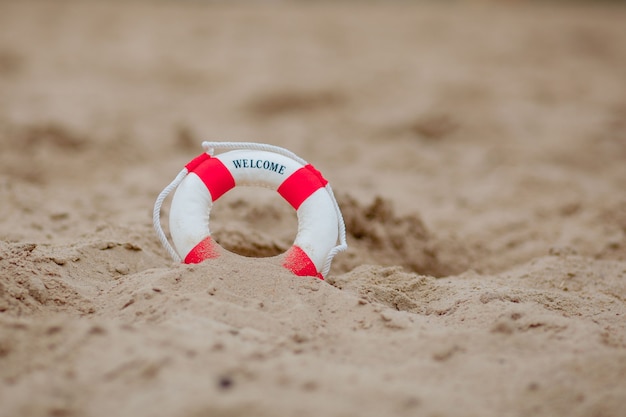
{"x": 478, "y": 153}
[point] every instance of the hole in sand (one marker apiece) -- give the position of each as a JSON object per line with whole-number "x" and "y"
{"x": 254, "y": 222}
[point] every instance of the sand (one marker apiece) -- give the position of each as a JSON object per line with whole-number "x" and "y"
{"x": 477, "y": 152}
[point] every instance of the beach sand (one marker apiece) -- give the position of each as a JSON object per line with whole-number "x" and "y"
{"x": 477, "y": 151}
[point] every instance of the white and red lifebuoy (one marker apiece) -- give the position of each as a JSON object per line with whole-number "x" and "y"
{"x": 206, "y": 178}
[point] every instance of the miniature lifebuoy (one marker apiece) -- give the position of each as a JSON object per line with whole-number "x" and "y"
{"x": 206, "y": 178}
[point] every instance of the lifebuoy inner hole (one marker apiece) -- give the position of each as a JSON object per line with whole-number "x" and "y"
{"x": 253, "y": 221}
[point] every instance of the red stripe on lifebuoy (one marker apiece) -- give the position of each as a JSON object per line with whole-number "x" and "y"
{"x": 206, "y": 249}
{"x": 215, "y": 176}
{"x": 193, "y": 164}
{"x": 301, "y": 184}
{"x": 298, "y": 262}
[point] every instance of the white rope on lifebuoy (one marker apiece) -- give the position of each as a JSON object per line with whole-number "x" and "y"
{"x": 321, "y": 229}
